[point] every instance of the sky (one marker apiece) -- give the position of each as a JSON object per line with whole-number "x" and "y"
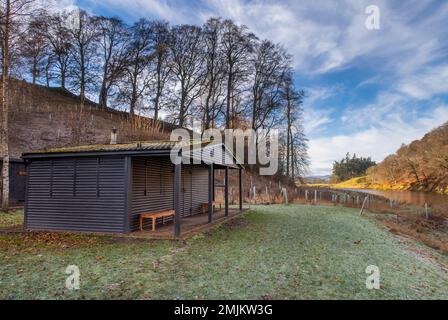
{"x": 368, "y": 90}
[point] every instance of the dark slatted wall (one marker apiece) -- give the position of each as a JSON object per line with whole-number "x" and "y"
{"x": 199, "y": 188}
{"x": 186, "y": 190}
{"x": 153, "y": 188}
{"x": 76, "y": 194}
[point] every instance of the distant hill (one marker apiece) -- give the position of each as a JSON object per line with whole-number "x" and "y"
{"x": 317, "y": 179}
{"x": 42, "y": 117}
{"x": 421, "y": 165}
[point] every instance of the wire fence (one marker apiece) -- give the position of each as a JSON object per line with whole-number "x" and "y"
{"x": 374, "y": 203}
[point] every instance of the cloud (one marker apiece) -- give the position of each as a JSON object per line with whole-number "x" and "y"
{"x": 322, "y": 35}
{"x": 379, "y": 139}
{"x": 406, "y": 59}
{"x": 174, "y": 11}
{"x": 315, "y": 118}
{"x": 430, "y": 82}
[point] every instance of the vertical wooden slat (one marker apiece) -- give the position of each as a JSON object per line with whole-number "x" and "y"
{"x": 240, "y": 177}
{"x": 213, "y": 183}
{"x": 226, "y": 192}
{"x": 177, "y": 198}
{"x": 51, "y": 177}
{"x": 210, "y": 193}
{"x": 128, "y": 193}
{"x": 98, "y": 163}
{"x": 75, "y": 173}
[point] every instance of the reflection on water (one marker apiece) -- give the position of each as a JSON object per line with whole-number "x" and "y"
{"x": 411, "y": 197}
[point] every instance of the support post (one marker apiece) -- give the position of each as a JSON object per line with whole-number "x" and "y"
{"x": 241, "y": 188}
{"x": 226, "y": 192}
{"x": 210, "y": 193}
{"x": 177, "y": 197}
{"x": 213, "y": 183}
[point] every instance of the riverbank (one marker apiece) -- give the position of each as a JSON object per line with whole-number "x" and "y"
{"x": 364, "y": 183}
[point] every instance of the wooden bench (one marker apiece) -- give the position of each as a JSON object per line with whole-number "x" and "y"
{"x": 154, "y": 216}
{"x": 214, "y": 203}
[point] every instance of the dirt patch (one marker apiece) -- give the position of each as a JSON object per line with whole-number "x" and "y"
{"x": 422, "y": 254}
{"x": 237, "y": 223}
{"x": 29, "y": 241}
{"x": 432, "y": 232}
{"x": 127, "y": 240}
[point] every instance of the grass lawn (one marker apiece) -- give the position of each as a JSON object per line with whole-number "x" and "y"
{"x": 285, "y": 252}
{"x": 11, "y": 219}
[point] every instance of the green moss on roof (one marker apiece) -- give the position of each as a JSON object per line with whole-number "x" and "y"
{"x": 132, "y": 146}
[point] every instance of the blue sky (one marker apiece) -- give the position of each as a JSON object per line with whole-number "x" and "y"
{"x": 369, "y": 91}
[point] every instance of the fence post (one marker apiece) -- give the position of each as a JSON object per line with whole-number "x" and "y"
{"x": 285, "y": 195}
{"x": 315, "y": 196}
{"x": 426, "y": 211}
{"x": 363, "y": 204}
{"x": 306, "y": 195}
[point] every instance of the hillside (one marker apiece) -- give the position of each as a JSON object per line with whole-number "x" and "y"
{"x": 42, "y": 117}
{"x": 422, "y": 165}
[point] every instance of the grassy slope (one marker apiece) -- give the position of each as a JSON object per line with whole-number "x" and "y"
{"x": 364, "y": 183}
{"x": 273, "y": 252}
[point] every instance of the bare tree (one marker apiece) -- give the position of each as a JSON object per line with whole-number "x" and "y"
{"x": 139, "y": 57}
{"x": 270, "y": 65}
{"x": 113, "y": 40}
{"x": 187, "y": 51}
{"x": 12, "y": 15}
{"x": 160, "y": 68}
{"x": 296, "y": 142}
{"x": 84, "y": 36}
{"x": 238, "y": 45}
{"x": 34, "y": 46}
{"x": 57, "y": 34}
{"x": 214, "y": 71}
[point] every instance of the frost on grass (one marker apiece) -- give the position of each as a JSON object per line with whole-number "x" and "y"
{"x": 285, "y": 252}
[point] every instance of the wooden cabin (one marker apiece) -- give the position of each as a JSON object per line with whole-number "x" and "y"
{"x": 106, "y": 188}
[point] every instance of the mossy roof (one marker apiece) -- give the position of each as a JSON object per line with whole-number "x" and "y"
{"x": 132, "y": 146}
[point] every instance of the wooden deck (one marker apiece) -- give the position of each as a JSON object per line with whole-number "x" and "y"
{"x": 189, "y": 225}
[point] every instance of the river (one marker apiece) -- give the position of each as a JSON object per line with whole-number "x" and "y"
{"x": 411, "y": 197}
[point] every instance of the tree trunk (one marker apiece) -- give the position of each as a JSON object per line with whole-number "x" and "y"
{"x": 159, "y": 88}
{"x": 34, "y": 71}
{"x": 4, "y": 129}
{"x": 229, "y": 91}
{"x": 47, "y": 73}
{"x": 102, "y": 100}
{"x": 62, "y": 78}
{"x": 293, "y": 161}
{"x": 288, "y": 130}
